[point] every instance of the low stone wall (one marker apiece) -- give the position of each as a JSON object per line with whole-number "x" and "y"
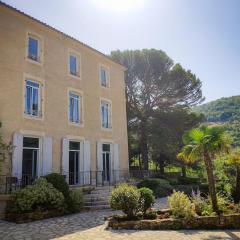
{"x": 209, "y": 222}
{"x": 3, "y": 201}
{"x": 29, "y": 217}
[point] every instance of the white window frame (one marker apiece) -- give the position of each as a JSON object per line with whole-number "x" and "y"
{"x": 78, "y": 63}
{"x": 80, "y": 151}
{"x": 107, "y": 72}
{"x": 80, "y": 106}
{"x": 41, "y": 95}
{"x": 109, "y": 103}
{"x": 39, "y": 38}
{"x": 40, "y": 148}
{"x": 31, "y": 104}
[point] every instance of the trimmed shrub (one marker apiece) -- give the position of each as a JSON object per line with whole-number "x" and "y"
{"x": 126, "y": 198}
{"x": 40, "y": 196}
{"x": 180, "y": 205}
{"x": 160, "y": 187}
{"x": 59, "y": 183}
{"x": 188, "y": 180}
{"x": 76, "y": 201}
{"x": 146, "y": 199}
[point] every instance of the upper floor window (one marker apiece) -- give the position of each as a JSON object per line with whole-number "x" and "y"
{"x": 104, "y": 77}
{"x": 106, "y": 114}
{"x": 74, "y": 64}
{"x": 74, "y": 108}
{"x": 34, "y": 48}
{"x": 32, "y": 98}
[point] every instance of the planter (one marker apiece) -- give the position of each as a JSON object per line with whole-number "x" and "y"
{"x": 32, "y": 216}
{"x": 209, "y": 222}
{"x": 3, "y": 201}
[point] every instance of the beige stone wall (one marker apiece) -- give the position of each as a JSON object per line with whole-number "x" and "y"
{"x": 53, "y": 73}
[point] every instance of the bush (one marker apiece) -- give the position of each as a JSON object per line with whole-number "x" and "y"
{"x": 76, "y": 201}
{"x": 40, "y": 196}
{"x": 59, "y": 183}
{"x": 160, "y": 187}
{"x": 180, "y": 205}
{"x": 188, "y": 180}
{"x": 204, "y": 188}
{"x": 126, "y": 198}
{"x": 146, "y": 199}
{"x": 202, "y": 205}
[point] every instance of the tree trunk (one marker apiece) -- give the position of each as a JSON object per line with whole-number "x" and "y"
{"x": 237, "y": 190}
{"x": 184, "y": 171}
{"x": 144, "y": 144}
{"x": 161, "y": 166}
{"x": 140, "y": 162}
{"x": 211, "y": 182}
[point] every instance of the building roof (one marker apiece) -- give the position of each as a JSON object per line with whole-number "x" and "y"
{"x": 58, "y": 31}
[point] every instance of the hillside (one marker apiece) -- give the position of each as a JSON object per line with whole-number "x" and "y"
{"x": 221, "y": 110}
{"x": 225, "y": 111}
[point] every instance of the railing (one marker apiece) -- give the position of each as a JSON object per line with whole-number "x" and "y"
{"x": 9, "y": 184}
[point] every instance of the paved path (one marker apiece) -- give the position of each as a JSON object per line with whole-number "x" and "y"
{"x": 91, "y": 226}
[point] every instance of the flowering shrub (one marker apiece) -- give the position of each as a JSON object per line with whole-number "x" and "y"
{"x": 180, "y": 205}
{"x": 40, "y": 196}
{"x": 126, "y": 198}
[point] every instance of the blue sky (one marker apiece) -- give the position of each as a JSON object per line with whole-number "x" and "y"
{"x": 202, "y": 35}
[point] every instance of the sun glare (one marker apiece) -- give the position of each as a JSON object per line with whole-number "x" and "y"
{"x": 119, "y": 5}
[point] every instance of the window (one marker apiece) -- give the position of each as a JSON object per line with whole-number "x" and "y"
{"x": 104, "y": 77}
{"x": 73, "y": 65}
{"x": 32, "y": 98}
{"x": 105, "y": 112}
{"x": 74, "y": 108}
{"x": 30, "y": 159}
{"x": 33, "y": 48}
{"x": 74, "y": 162}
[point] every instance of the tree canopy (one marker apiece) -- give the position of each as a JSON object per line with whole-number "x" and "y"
{"x": 154, "y": 83}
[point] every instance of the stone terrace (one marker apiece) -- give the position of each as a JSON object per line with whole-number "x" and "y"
{"x": 90, "y": 225}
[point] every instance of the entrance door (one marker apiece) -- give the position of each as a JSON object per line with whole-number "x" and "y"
{"x": 106, "y": 162}
{"x": 74, "y": 163}
{"x": 30, "y": 160}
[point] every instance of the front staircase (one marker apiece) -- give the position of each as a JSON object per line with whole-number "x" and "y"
{"x": 97, "y": 198}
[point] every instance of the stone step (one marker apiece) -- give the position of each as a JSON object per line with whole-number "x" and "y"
{"x": 104, "y": 187}
{"x": 95, "y": 199}
{"x": 101, "y": 191}
{"x": 97, "y": 194}
{"x": 99, "y": 207}
{"x": 98, "y": 203}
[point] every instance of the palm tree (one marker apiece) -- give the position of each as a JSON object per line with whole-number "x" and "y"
{"x": 203, "y": 144}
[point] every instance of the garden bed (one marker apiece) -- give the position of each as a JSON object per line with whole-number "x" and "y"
{"x": 231, "y": 221}
{"x": 32, "y": 216}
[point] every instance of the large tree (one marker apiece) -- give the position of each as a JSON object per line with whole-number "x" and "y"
{"x": 166, "y": 131}
{"x": 154, "y": 82}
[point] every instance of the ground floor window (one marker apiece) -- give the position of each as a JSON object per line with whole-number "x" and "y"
{"x": 106, "y": 162}
{"x": 30, "y": 159}
{"x": 74, "y": 162}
